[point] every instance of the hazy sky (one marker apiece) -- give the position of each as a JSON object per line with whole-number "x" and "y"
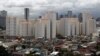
{"x": 37, "y": 7}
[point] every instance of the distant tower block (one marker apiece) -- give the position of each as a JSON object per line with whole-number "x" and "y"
{"x": 26, "y": 13}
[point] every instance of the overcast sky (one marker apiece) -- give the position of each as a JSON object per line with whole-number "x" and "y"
{"x": 37, "y": 7}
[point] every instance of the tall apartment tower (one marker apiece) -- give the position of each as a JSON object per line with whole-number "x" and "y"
{"x": 11, "y": 26}
{"x": 39, "y": 29}
{"x": 25, "y": 28}
{"x": 68, "y": 26}
{"x": 88, "y": 23}
{"x": 27, "y": 18}
{"x": 26, "y": 13}
{"x": 46, "y": 26}
{"x": 3, "y": 15}
{"x": 51, "y": 15}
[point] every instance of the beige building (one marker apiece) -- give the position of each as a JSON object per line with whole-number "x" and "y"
{"x": 68, "y": 26}
{"x": 19, "y": 27}
{"x": 11, "y": 26}
{"x": 25, "y": 28}
{"x": 91, "y": 26}
{"x": 51, "y": 26}
{"x": 39, "y": 29}
{"x": 88, "y": 23}
{"x": 46, "y": 26}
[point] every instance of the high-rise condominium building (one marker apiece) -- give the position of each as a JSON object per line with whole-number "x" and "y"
{"x": 46, "y": 26}
{"x": 52, "y": 17}
{"x": 25, "y": 28}
{"x": 19, "y": 27}
{"x": 68, "y": 26}
{"x": 3, "y": 15}
{"x": 39, "y": 29}
{"x": 11, "y": 26}
{"x": 88, "y": 23}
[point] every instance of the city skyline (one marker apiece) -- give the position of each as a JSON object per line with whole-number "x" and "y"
{"x": 38, "y": 7}
{"x": 49, "y": 28}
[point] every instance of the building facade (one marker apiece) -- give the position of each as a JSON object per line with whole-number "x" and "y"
{"x": 3, "y": 15}
{"x": 11, "y": 26}
{"x": 88, "y": 23}
{"x": 68, "y": 26}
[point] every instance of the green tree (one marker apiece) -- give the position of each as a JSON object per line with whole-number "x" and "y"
{"x": 4, "y": 52}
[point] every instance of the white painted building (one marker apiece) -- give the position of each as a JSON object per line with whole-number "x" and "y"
{"x": 51, "y": 16}
{"x": 68, "y": 26}
{"x": 39, "y": 29}
{"x": 91, "y": 26}
{"x": 46, "y": 26}
{"x": 11, "y": 26}
{"x": 25, "y": 28}
{"x": 19, "y": 27}
{"x": 58, "y": 26}
{"x": 73, "y": 26}
{"x": 88, "y": 23}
